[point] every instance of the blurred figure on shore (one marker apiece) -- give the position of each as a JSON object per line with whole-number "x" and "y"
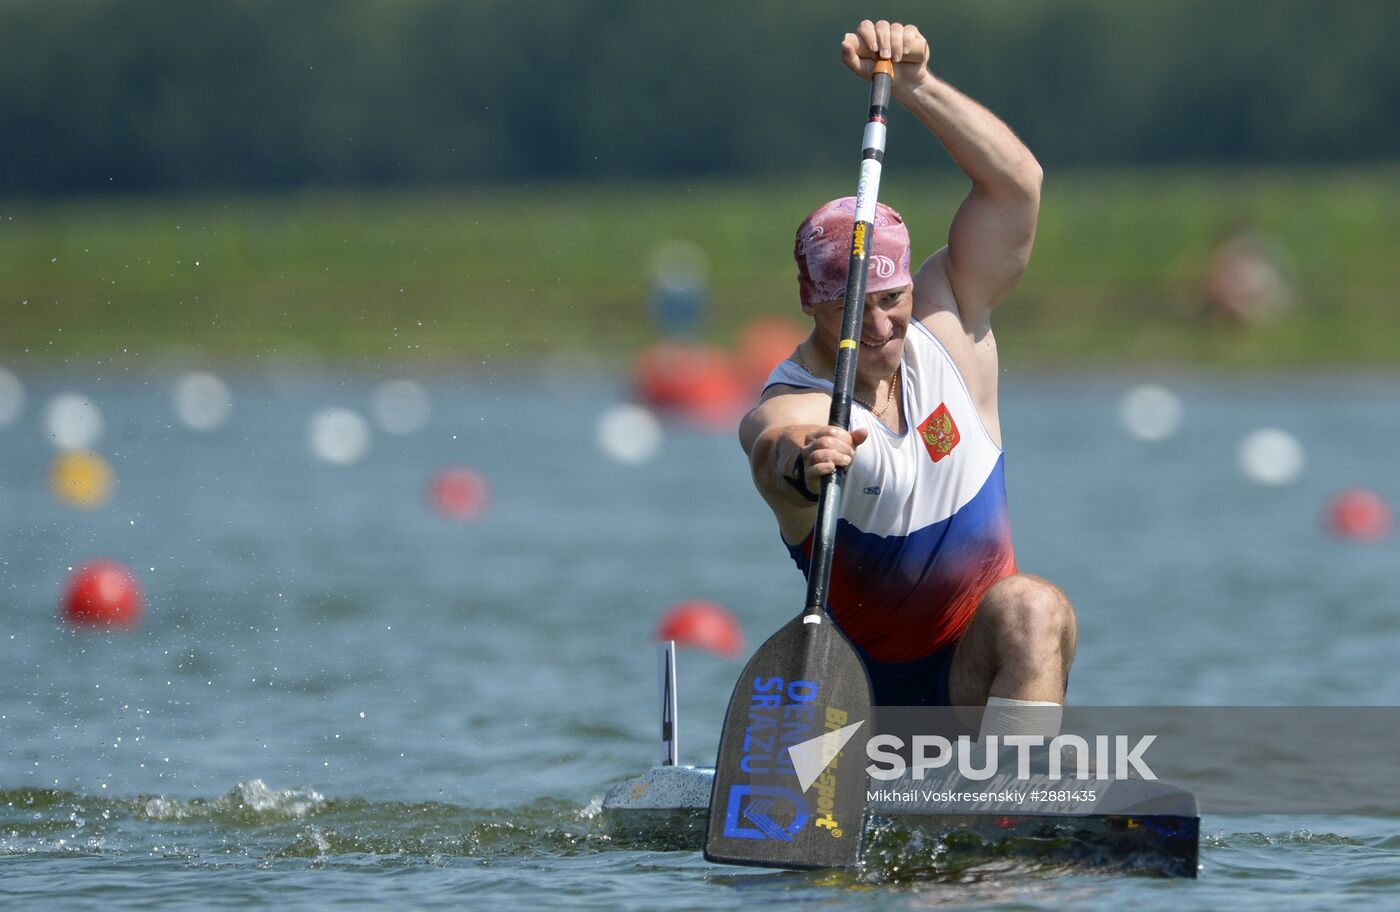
{"x": 1248, "y": 283}
{"x": 681, "y": 377}
{"x": 679, "y": 292}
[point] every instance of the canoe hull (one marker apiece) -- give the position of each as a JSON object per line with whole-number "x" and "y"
{"x": 1136, "y": 825}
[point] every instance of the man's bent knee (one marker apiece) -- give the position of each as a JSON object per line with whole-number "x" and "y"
{"x": 1030, "y": 616}
{"x": 1032, "y": 608}
{"x": 1020, "y": 641}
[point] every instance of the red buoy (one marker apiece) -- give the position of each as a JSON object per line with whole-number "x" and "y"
{"x": 1358, "y": 513}
{"x": 102, "y": 594}
{"x": 703, "y": 625}
{"x": 458, "y": 493}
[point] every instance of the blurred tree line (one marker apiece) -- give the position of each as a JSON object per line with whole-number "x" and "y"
{"x": 170, "y": 95}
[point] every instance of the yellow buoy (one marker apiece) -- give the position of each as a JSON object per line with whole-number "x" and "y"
{"x": 82, "y": 479}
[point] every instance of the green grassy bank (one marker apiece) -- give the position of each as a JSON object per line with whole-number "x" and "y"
{"x": 1117, "y": 276}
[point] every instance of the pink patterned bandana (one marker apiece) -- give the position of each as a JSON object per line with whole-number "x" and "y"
{"x": 823, "y": 251}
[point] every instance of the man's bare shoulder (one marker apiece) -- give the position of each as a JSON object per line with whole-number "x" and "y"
{"x": 936, "y": 305}
{"x": 933, "y": 290}
{"x": 969, "y": 341}
{"x": 784, "y": 406}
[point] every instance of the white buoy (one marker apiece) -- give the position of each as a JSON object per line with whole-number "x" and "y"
{"x": 1150, "y": 412}
{"x": 629, "y": 434}
{"x": 338, "y": 436}
{"x": 11, "y": 397}
{"x": 400, "y": 406}
{"x": 73, "y": 422}
{"x": 202, "y": 401}
{"x": 1272, "y": 457}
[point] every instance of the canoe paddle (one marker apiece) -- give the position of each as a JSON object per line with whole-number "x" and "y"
{"x": 789, "y": 788}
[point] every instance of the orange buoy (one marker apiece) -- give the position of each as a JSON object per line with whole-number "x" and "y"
{"x": 764, "y": 344}
{"x": 699, "y": 383}
{"x": 81, "y": 479}
{"x": 102, "y": 593}
{"x": 458, "y": 493}
{"x": 1359, "y": 513}
{"x": 703, "y": 625}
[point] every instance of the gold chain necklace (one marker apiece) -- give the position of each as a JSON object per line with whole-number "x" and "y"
{"x": 894, "y": 386}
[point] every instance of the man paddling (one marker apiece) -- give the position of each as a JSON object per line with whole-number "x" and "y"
{"x": 924, "y": 580}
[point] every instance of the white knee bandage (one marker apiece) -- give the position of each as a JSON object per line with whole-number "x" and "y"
{"x": 1021, "y": 717}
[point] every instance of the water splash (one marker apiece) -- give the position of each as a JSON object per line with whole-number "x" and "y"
{"x": 250, "y": 802}
{"x": 256, "y": 821}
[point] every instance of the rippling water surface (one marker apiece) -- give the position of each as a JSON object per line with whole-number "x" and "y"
{"x": 337, "y": 697}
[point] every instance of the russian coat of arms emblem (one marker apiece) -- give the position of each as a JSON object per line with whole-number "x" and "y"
{"x": 939, "y": 433}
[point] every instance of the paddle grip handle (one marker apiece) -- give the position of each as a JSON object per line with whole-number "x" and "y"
{"x": 852, "y": 313}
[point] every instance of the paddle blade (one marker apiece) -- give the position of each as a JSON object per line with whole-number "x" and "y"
{"x": 800, "y": 716}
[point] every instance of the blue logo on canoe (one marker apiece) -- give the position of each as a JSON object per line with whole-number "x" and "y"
{"x": 764, "y": 812}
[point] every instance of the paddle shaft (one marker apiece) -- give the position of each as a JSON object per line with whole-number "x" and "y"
{"x": 806, "y": 679}
{"x": 853, "y": 312}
